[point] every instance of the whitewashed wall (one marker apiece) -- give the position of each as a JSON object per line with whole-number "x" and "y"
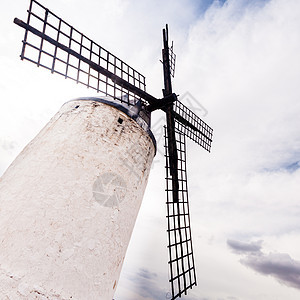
{"x": 68, "y": 204}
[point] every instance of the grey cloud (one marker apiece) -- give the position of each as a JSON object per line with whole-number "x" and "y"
{"x": 242, "y": 247}
{"x": 145, "y": 274}
{"x": 148, "y": 286}
{"x": 279, "y": 265}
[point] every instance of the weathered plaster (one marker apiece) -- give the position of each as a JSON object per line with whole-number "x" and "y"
{"x": 60, "y": 235}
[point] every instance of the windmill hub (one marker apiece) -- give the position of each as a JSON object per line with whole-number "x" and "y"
{"x": 163, "y": 103}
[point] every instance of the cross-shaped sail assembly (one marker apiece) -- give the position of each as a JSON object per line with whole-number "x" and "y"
{"x": 52, "y": 43}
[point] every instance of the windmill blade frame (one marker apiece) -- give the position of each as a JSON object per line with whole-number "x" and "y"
{"x": 54, "y": 44}
{"x": 180, "y": 249}
{"x": 192, "y": 126}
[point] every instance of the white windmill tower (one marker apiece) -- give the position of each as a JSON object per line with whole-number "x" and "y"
{"x": 69, "y": 201}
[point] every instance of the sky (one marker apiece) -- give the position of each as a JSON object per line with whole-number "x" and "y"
{"x": 238, "y": 67}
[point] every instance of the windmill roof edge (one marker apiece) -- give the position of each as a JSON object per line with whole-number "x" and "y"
{"x": 135, "y": 112}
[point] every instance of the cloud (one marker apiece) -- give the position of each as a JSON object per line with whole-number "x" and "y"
{"x": 242, "y": 247}
{"x": 277, "y": 265}
{"x": 144, "y": 274}
{"x": 246, "y": 74}
{"x": 146, "y": 285}
{"x": 293, "y": 166}
{"x": 7, "y": 145}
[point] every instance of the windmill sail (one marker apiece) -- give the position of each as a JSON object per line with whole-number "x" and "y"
{"x": 192, "y": 126}
{"x": 180, "y": 248}
{"x": 52, "y": 43}
{"x": 172, "y": 59}
{"x": 181, "y": 122}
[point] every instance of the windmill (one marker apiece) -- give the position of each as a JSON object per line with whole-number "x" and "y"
{"x": 52, "y": 43}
